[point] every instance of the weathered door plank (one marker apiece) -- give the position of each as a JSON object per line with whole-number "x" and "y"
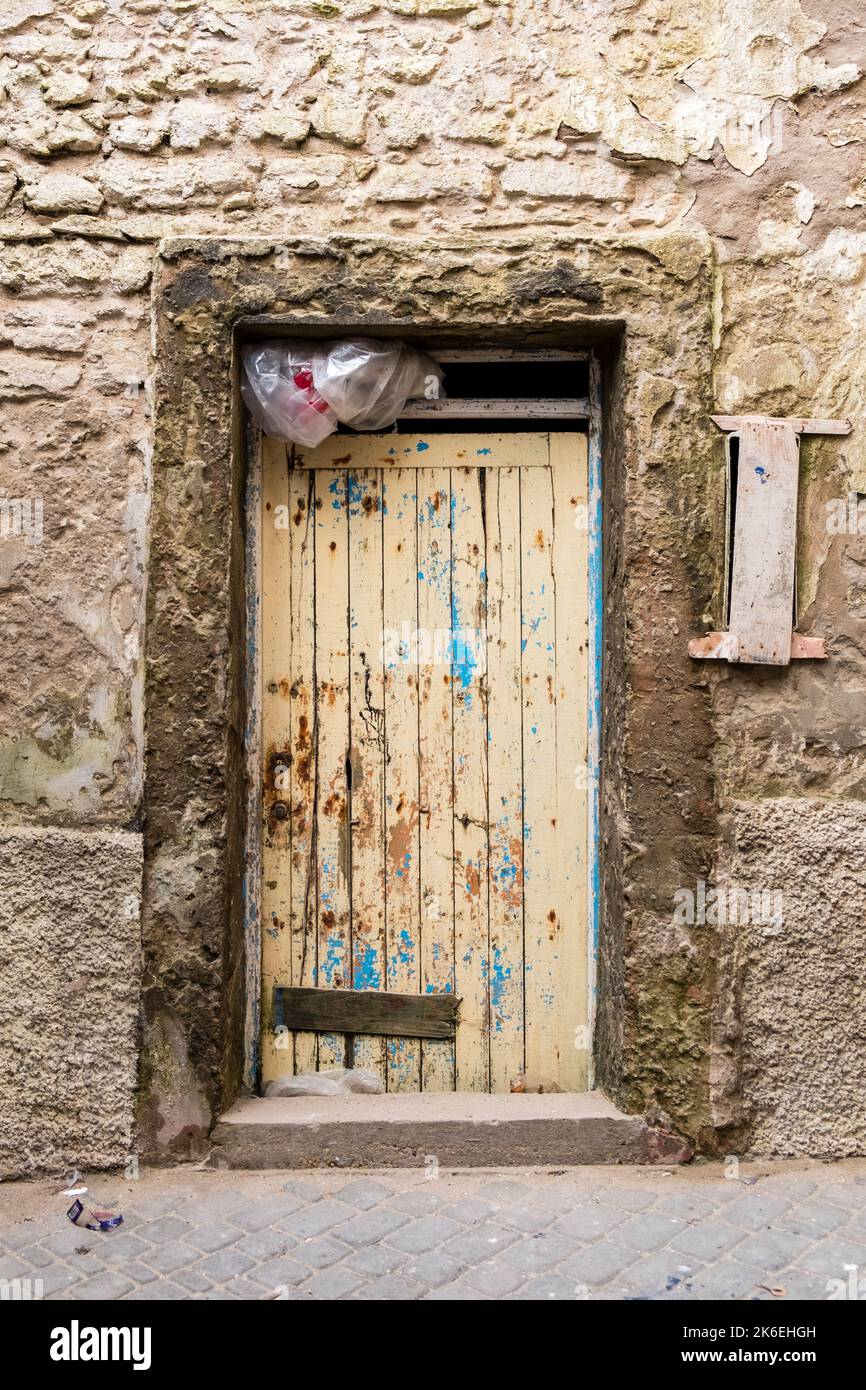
{"x": 368, "y": 754}
{"x": 277, "y": 1058}
{"x": 469, "y": 704}
{"x": 302, "y": 742}
{"x": 505, "y": 758}
{"x": 367, "y": 1013}
{"x": 435, "y": 777}
{"x": 401, "y": 651}
{"x": 332, "y": 734}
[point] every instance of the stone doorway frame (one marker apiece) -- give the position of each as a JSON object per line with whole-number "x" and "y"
{"x": 645, "y": 308}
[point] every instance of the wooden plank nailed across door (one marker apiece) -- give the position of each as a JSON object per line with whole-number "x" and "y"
{"x": 426, "y": 673}
{"x": 367, "y": 1013}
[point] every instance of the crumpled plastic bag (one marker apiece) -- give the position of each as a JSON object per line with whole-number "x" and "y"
{"x": 277, "y": 385}
{"x": 341, "y": 1082}
{"x": 298, "y": 390}
{"x": 367, "y": 383}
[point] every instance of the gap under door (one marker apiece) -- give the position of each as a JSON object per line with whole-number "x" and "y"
{"x": 425, "y": 681}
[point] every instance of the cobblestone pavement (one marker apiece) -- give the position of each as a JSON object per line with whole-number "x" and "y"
{"x": 773, "y": 1231}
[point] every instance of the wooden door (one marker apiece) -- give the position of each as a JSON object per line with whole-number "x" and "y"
{"x": 425, "y": 716}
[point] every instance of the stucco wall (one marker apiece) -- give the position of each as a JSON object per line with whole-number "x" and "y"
{"x": 431, "y": 121}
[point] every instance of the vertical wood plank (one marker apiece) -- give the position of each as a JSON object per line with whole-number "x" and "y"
{"x": 765, "y": 542}
{"x": 505, "y": 767}
{"x": 538, "y": 664}
{"x": 368, "y": 752}
{"x": 277, "y": 1052}
{"x": 332, "y": 738}
{"x": 401, "y": 671}
{"x": 568, "y": 458}
{"x": 435, "y": 734}
{"x": 469, "y": 704}
{"x": 302, "y": 742}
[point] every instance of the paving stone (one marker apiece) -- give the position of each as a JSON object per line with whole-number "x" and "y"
{"x": 167, "y": 1258}
{"x": 550, "y": 1287}
{"x": 139, "y": 1273}
{"x": 36, "y": 1257}
{"x": 163, "y": 1292}
{"x": 756, "y": 1209}
{"x": 376, "y": 1260}
{"x": 332, "y": 1283}
{"x": 106, "y": 1285}
{"x": 538, "y": 1253}
{"x": 266, "y": 1212}
{"x": 456, "y": 1292}
{"x": 214, "y": 1237}
{"x": 243, "y": 1289}
{"x": 194, "y": 1280}
{"x": 313, "y": 1220}
{"x": 495, "y": 1279}
{"x": 225, "y": 1264}
{"x": 648, "y": 1231}
{"x": 688, "y": 1206}
{"x": 419, "y": 1201}
{"x": 468, "y": 1211}
{"x": 122, "y": 1247}
{"x": 772, "y": 1249}
{"x": 529, "y": 1219}
{"x": 727, "y": 1278}
{"x": 321, "y": 1251}
{"x": 850, "y": 1195}
{"x": 423, "y": 1235}
{"x": 263, "y": 1245}
{"x": 708, "y": 1240}
{"x": 370, "y": 1226}
{"x": 817, "y": 1217}
{"x": 213, "y": 1209}
{"x": 831, "y": 1256}
{"x": 393, "y": 1288}
{"x": 590, "y": 1221}
{"x": 13, "y": 1267}
{"x": 364, "y": 1194}
{"x": 435, "y": 1268}
{"x": 26, "y": 1232}
{"x": 479, "y": 1243}
{"x": 629, "y": 1198}
{"x": 164, "y": 1229}
{"x": 55, "y": 1281}
{"x": 662, "y": 1275}
{"x": 278, "y": 1272}
{"x": 597, "y": 1263}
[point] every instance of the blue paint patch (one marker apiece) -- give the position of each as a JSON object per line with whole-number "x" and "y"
{"x": 484, "y": 451}
{"x": 366, "y": 972}
{"x": 421, "y": 446}
{"x": 762, "y": 474}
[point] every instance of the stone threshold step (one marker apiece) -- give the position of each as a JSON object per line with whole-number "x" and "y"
{"x": 459, "y": 1130}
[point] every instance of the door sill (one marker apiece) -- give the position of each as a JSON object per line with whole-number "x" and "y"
{"x": 457, "y": 1129}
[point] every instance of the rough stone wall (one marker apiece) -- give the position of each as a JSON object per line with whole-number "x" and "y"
{"x": 123, "y": 123}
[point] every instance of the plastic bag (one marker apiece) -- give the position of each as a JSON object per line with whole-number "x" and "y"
{"x": 298, "y": 390}
{"x": 368, "y": 383}
{"x": 277, "y": 385}
{"x": 355, "y": 1080}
